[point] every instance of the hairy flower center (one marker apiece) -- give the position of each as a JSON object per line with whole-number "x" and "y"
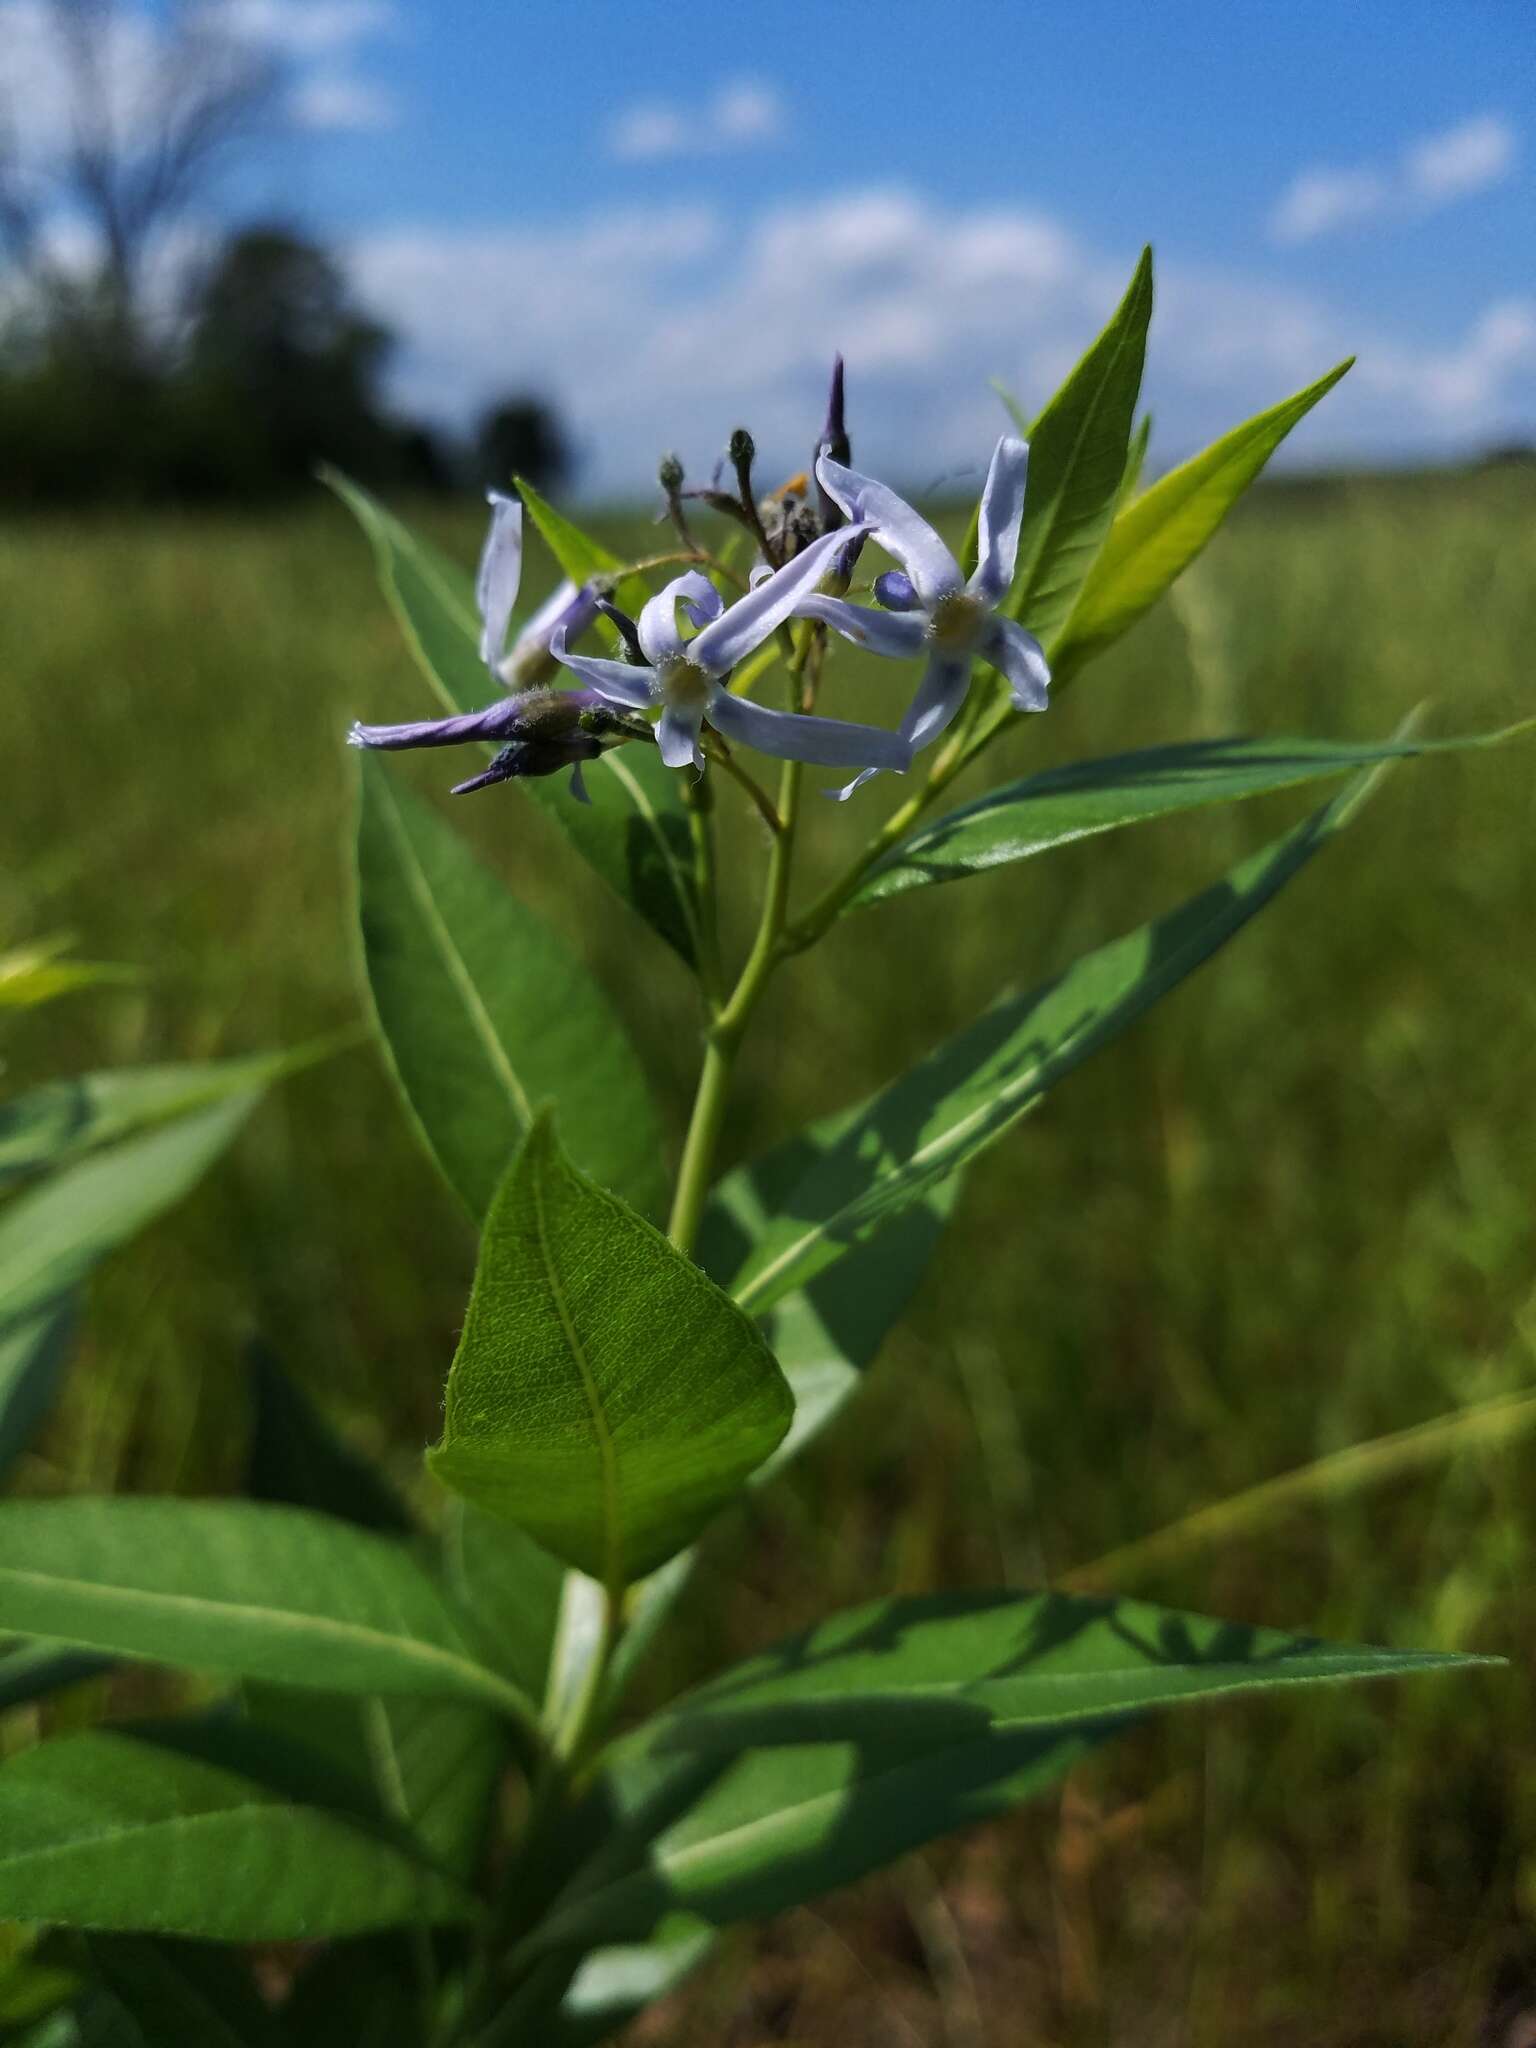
{"x": 956, "y": 621}
{"x": 684, "y": 685}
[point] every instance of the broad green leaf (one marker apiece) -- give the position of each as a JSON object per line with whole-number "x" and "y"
{"x": 485, "y": 1013}
{"x": 31, "y": 1671}
{"x": 1155, "y": 538}
{"x": 605, "y": 1396}
{"x": 32, "y": 1356}
{"x": 634, "y": 832}
{"x": 613, "y": 1986}
{"x": 955, "y": 1664}
{"x": 876, "y": 1159}
{"x": 1077, "y": 460}
{"x": 104, "y": 1831}
{"x": 1135, "y": 460}
{"x": 726, "y": 1837}
{"x": 184, "y": 1991}
{"x": 295, "y": 1458}
{"x": 1031, "y": 816}
{"x": 231, "y": 1586}
{"x": 56, "y": 1122}
{"x": 51, "y": 1236}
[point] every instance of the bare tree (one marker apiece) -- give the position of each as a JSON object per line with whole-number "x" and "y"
{"x": 150, "y": 111}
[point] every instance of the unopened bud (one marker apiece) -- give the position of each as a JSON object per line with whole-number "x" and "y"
{"x": 743, "y": 449}
{"x": 669, "y": 474}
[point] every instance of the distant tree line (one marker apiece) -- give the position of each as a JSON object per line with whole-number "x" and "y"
{"x": 236, "y": 378}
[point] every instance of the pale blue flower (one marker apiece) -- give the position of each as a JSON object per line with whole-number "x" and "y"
{"x": 931, "y": 610}
{"x": 499, "y": 574}
{"x": 686, "y": 678}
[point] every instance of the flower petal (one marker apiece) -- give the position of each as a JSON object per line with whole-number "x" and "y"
{"x": 677, "y": 736}
{"x": 899, "y": 530}
{"x": 896, "y": 633}
{"x": 841, "y": 796}
{"x": 938, "y": 698}
{"x": 496, "y": 722}
{"x": 659, "y": 638}
{"x": 578, "y": 784}
{"x": 830, "y": 742}
{"x": 499, "y": 574}
{"x": 1019, "y": 656}
{"x": 999, "y": 514}
{"x": 616, "y": 680}
{"x": 752, "y": 618}
{"x": 568, "y": 607}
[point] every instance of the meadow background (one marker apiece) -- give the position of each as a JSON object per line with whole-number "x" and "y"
{"x": 1290, "y": 1214}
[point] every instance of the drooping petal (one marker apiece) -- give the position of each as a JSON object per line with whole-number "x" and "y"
{"x": 999, "y": 514}
{"x": 938, "y": 699}
{"x": 895, "y": 633}
{"x": 660, "y": 640}
{"x": 496, "y": 722}
{"x": 500, "y": 573}
{"x": 1020, "y": 657}
{"x": 677, "y": 735}
{"x": 899, "y": 530}
{"x": 841, "y": 796}
{"x": 829, "y": 742}
{"x": 750, "y": 620}
{"x": 616, "y": 680}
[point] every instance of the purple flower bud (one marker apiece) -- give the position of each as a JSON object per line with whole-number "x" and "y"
{"x": 538, "y": 757}
{"x": 895, "y": 591}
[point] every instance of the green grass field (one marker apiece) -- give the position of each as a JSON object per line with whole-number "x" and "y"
{"x": 1291, "y": 1213}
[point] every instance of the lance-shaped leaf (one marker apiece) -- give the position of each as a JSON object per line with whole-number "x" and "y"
{"x": 1031, "y": 816}
{"x": 485, "y": 1014}
{"x": 1077, "y": 464}
{"x": 605, "y": 1396}
{"x": 635, "y": 830}
{"x": 51, "y": 1236}
{"x": 875, "y": 1160}
{"x": 33, "y": 1351}
{"x": 614, "y": 1985}
{"x": 229, "y": 1586}
{"x": 31, "y": 1671}
{"x": 1156, "y": 537}
{"x": 103, "y": 1831}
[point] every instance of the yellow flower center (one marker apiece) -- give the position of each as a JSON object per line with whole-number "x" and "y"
{"x": 684, "y": 685}
{"x": 956, "y": 621}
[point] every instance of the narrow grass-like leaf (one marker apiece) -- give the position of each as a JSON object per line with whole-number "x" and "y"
{"x": 230, "y": 1586}
{"x": 605, "y": 1396}
{"x": 35, "y": 974}
{"x": 51, "y": 1236}
{"x": 1021, "y": 819}
{"x": 1077, "y": 461}
{"x": 33, "y": 1352}
{"x": 952, "y": 1665}
{"x": 486, "y": 1014}
{"x": 103, "y": 1831}
{"x": 634, "y": 832}
{"x": 1156, "y": 537}
{"x": 875, "y": 1160}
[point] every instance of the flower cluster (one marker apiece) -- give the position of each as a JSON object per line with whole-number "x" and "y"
{"x": 926, "y": 610}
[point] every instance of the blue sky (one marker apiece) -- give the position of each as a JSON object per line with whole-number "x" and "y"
{"x": 664, "y": 218}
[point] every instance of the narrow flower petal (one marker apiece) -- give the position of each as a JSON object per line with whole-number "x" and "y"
{"x": 938, "y": 699}
{"x": 677, "y": 736}
{"x": 752, "y": 618}
{"x": 578, "y": 784}
{"x": 660, "y": 640}
{"x": 829, "y": 742}
{"x": 1000, "y": 512}
{"x": 501, "y": 571}
{"x": 899, "y": 530}
{"x": 496, "y": 722}
{"x": 1019, "y": 656}
{"x": 894, "y": 633}
{"x": 841, "y": 796}
{"x": 568, "y": 607}
{"x": 615, "y": 680}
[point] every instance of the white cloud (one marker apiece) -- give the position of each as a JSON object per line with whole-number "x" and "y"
{"x": 341, "y": 105}
{"x": 744, "y": 114}
{"x": 308, "y": 28}
{"x": 1431, "y": 173}
{"x": 655, "y": 331}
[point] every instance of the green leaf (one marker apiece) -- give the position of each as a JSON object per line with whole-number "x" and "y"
{"x": 581, "y": 558}
{"x": 955, "y": 1664}
{"x": 1135, "y": 460}
{"x": 230, "y": 1586}
{"x": 102, "y": 1831}
{"x": 634, "y": 832}
{"x": 184, "y": 1991}
{"x": 605, "y": 1396}
{"x": 32, "y": 1357}
{"x": 51, "y": 1236}
{"x": 295, "y": 1458}
{"x": 888, "y": 1152}
{"x": 62, "y": 1119}
{"x": 485, "y": 1014}
{"x": 1077, "y": 461}
{"x": 511, "y": 1585}
{"x": 1031, "y": 816}
{"x": 1156, "y": 538}
{"x": 614, "y": 1985}
{"x": 35, "y": 974}
{"x": 359, "y": 1992}
{"x": 31, "y": 1671}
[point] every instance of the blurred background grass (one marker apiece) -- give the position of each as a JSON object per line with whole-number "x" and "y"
{"x": 1290, "y": 1213}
